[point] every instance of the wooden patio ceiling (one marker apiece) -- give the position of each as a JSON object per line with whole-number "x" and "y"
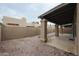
{"x": 61, "y": 14}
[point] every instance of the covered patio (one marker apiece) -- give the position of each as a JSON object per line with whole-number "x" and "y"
{"x": 61, "y": 15}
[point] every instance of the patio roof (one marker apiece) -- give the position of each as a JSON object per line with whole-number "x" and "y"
{"x": 61, "y": 14}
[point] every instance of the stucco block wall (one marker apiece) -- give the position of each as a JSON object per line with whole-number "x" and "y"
{"x": 9, "y": 33}
{"x": 65, "y": 30}
{"x": 18, "y": 32}
{"x": 50, "y": 30}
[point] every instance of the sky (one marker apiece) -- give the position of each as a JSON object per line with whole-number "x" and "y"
{"x": 30, "y": 11}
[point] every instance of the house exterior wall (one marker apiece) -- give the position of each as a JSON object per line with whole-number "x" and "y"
{"x": 9, "y": 20}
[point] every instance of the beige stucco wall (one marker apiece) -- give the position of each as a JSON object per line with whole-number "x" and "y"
{"x": 21, "y": 21}
{"x": 20, "y": 32}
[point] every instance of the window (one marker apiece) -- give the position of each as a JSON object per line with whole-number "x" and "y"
{"x": 12, "y": 24}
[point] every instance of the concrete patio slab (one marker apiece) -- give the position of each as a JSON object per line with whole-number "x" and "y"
{"x": 62, "y": 42}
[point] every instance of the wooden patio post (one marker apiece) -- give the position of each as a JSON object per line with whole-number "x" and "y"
{"x": 44, "y": 30}
{"x": 56, "y": 30}
{"x": 61, "y": 29}
{"x": 77, "y": 30}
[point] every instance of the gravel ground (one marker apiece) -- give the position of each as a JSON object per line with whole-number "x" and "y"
{"x": 30, "y": 46}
